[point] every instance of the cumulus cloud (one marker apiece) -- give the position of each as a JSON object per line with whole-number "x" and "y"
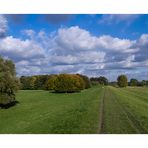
{"x": 75, "y": 50}
{"x": 3, "y": 26}
{"x": 20, "y": 49}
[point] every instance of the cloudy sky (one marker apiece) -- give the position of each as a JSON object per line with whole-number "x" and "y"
{"x": 93, "y": 45}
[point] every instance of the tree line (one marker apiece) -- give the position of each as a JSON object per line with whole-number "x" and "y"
{"x": 58, "y": 83}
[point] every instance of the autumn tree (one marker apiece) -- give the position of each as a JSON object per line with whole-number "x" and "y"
{"x": 68, "y": 83}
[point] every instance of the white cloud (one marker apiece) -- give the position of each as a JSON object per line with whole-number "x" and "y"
{"x": 3, "y": 26}
{"x": 17, "y": 48}
{"x": 75, "y": 38}
{"x": 74, "y": 50}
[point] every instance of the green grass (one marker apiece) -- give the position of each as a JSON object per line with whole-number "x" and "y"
{"x": 125, "y": 110}
{"x": 44, "y": 112}
{"x": 96, "y": 110}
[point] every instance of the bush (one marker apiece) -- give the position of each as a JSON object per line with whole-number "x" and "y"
{"x": 68, "y": 83}
{"x": 122, "y": 81}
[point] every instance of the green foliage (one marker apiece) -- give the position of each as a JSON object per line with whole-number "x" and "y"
{"x": 50, "y": 84}
{"x": 68, "y": 83}
{"x": 99, "y": 80}
{"x": 133, "y": 82}
{"x": 59, "y": 83}
{"x": 33, "y": 82}
{"x": 122, "y": 81}
{"x": 86, "y": 81}
{"x": 8, "y": 81}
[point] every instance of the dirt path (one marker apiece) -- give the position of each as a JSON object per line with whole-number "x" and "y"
{"x": 101, "y": 117}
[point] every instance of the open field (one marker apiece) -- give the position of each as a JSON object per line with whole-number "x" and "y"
{"x": 44, "y": 112}
{"x": 96, "y": 110}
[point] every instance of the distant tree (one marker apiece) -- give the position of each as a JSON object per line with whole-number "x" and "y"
{"x": 103, "y": 80}
{"x": 8, "y": 81}
{"x": 133, "y": 82}
{"x": 32, "y": 81}
{"x": 99, "y": 80}
{"x": 86, "y": 81}
{"x": 122, "y": 81}
{"x": 50, "y": 84}
{"x": 25, "y": 82}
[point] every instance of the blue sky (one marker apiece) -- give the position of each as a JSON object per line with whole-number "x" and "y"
{"x": 94, "y": 45}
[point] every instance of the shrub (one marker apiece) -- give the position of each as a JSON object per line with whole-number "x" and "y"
{"x": 68, "y": 83}
{"x": 122, "y": 81}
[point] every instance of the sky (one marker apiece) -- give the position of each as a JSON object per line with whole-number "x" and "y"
{"x": 93, "y": 45}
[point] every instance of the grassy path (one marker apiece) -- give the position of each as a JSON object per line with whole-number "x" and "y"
{"x": 101, "y": 117}
{"x": 124, "y": 112}
{"x": 115, "y": 119}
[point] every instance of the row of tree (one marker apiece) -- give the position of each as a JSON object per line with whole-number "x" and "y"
{"x": 58, "y": 83}
{"x": 122, "y": 81}
{"x": 46, "y": 81}
{"x": 99, "y": 80}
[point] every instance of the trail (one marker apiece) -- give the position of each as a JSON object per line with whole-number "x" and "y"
{"x": 131, "y": 118}
{"x": 101, "y": 117}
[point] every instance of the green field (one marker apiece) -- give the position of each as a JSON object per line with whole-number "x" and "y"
{"x": 96, "y": 110}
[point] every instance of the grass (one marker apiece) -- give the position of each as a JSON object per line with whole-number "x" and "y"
{"x": 44, "y": 112}
{"x": 125, "y": 110}
{"x": 106, "y": 110}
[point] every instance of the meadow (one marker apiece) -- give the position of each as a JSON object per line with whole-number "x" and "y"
{"x": 96, "y": 110}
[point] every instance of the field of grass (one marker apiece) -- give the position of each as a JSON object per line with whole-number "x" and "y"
{"x": 44, "y": 112}
{"x": 96, "y": 110}
{"x": 125, "y": 110}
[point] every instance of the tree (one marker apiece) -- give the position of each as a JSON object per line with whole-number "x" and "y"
{"x": 50, "y": 84}
{"x": 122, "y": 81}
{"x": 103, "y": 80}
{"x": 86, "y": 81}
{"x": 68, "y": 83}
{"x": 32, "y": 82}
{"x": 8, "y": 81}
{"x": 99, "y": 80}
{"x": 133, "y": 82}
